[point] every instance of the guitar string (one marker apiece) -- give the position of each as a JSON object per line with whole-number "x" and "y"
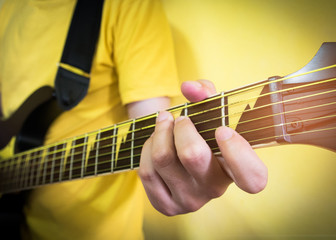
{"x": 189, "y": 106}
{"x": 49, "y": 154}
{"x": 291, "y": 134}
{"x": 33, "y": 160}
{"x": 183, "y": 106}
{"x": 29, "y": 176}
{"x": 247, "y": 121}
{"x": 214, "y": 148}
{"x": 75, "y": 176}
{"x": 137, "y": 164}
{"x": 83, "y": 145}
{"x": 191, "y": 115}
{"x": 213, "y": 139}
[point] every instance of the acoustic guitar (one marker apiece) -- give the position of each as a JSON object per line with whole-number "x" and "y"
{"x": 299, "y": 108}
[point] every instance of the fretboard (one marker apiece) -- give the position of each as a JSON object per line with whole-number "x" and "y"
{"x": 118, "y": 148}
{"x": 255, "y": 111}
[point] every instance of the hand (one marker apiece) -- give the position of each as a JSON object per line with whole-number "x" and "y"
{"x": 178, "y": 170}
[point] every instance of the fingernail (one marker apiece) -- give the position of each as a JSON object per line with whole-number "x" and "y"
{"x": 224, "y": 133}
{"x": 197, "y": 84}
{"x": 180, "y": 119}
{"x": 193, "y": 83}
{"x": 164, "y": 116}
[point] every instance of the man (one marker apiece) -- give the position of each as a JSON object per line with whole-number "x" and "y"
{"x": 133, "y": 74}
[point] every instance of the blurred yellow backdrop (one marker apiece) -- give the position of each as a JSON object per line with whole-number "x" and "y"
{"x": 237, "y": 42}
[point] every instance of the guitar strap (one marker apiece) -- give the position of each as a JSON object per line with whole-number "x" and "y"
{"x": 73, "y": 75}
{"x": 71, "y": 85}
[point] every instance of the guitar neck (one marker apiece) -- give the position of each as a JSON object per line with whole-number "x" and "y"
{"x": 118, "y": 148}
{"x": 262, "y": 113}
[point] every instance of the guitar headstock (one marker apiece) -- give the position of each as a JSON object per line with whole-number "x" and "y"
{"x": 324, "y": 58}
{"x": 309, "y": 101}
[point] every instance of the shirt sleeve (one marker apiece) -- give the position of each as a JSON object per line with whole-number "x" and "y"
{"x": 143, "y": 52}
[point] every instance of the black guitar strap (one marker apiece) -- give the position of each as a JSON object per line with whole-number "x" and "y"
{"x": 73, "y": 75}
{"x": 71, "y": 85}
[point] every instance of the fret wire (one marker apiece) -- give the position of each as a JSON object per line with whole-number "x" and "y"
{"x": 246, "y": 100}
{"x": 97, "y": 152}
{"x": 53, "y": 165}
{"x": 255, "y": 108}
{"x": 223, "y": 109}
{"x": 83, "y": 154}
{"x": 258, "y": 118}
{"x": 213, "y": 149}
{"x": 264, "y": 117}
{"x": 113, "y": 147}
{"x": 288, "y": 89}
{"x": 22, "y": 169}
{"x": 45, "y": 166}
{"x": 62, "y": 162}
{"x": 207, "y": 140}
{"x": 267, "y": 116}
{"x": 132, "y": 143}
{"x": 256, "y": 140}
{"x": 260, "y": 85}
{"x": 289, "y": 100}
{"x": 213, "y": 129}
{"x": 301, "y": 86}
{"x": 71, "y": 158}
{"x": 30, "y": 179}
{"x": 16, "y": 171}
{"x": 41, "y": 157}
{"x": 186, "y": 109}
{"x": 23, "y": 183}
{"x": 29, "y": 176}
{"x": 264, "y": 83}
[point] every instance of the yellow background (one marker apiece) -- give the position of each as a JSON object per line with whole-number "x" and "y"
{"x": 237, "y": 42}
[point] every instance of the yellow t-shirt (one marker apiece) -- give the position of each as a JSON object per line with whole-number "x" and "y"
{"x": 134, "y": 61}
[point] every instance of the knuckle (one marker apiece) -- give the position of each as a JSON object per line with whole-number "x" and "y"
{"x": 163, "y": 157}
{"x": 168, "y": 209}
{"x": 215, "y": 192}
{"x": 191, "y": 205}
{"x": 192, "y": 155}
{"x": 146, "y": 176}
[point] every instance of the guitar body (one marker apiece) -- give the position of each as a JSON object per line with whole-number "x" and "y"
{"x": 29, "y": 124}
{"x": 31, "y": 121}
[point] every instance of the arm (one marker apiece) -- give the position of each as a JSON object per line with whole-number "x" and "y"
{"x": 178, "y": 170}
{"x": 148, "y": 106}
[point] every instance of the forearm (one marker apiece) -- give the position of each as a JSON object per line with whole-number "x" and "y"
{"x": 148, "y": 106}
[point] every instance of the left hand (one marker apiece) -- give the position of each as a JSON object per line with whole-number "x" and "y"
{"x": 180, "y": 173}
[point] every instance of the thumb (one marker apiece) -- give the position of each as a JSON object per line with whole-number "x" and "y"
{"x": 240, "y": 161}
